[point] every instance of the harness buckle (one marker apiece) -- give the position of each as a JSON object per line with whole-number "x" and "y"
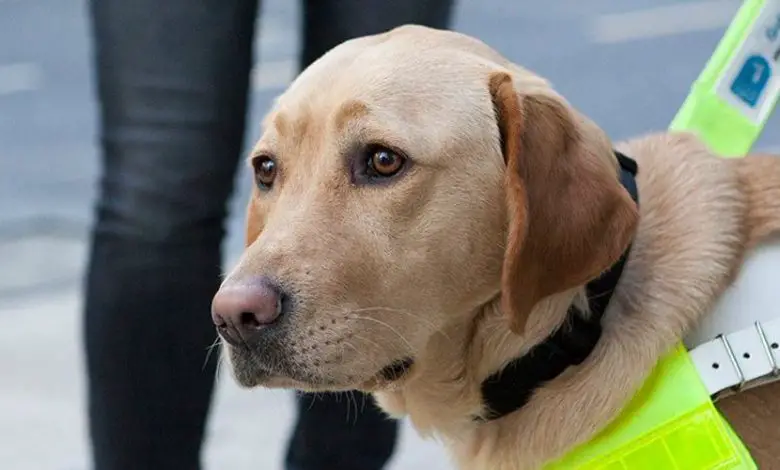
{"x": 740, "y": 375}
{"x": 767, "y": 349}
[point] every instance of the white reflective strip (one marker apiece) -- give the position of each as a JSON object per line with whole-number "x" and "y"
{"x": 750, "y": 363}
{"x": 772, "y": 331}
{"x": 714, "y": 366}
{"x": 749, "y": 353}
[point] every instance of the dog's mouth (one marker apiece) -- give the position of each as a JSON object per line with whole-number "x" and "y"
{"x": 389, "y": 377}
{"x": 397, "y": 370}
{"x": 277, "y": 370}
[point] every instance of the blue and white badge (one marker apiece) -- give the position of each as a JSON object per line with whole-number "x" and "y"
{"x": 752, "y": 80}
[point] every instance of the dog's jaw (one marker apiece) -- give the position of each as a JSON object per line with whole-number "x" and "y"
{"x": 444, "y": 401}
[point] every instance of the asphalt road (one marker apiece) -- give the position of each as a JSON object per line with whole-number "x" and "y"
{"x": 626, "y": 63}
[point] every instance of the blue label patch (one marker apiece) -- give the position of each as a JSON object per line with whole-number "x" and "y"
{"x": 752, "y": 79}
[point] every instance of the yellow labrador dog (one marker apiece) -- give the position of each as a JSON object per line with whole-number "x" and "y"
{"x": 428, "y": 217}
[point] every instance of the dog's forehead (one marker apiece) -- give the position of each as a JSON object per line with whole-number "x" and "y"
{"x": 408, "y": 50}
{"x": 392, "y": 88}
{"x": 422, "y": 90}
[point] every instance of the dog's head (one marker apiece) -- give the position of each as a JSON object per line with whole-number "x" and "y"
{"x": 404, "y": 181}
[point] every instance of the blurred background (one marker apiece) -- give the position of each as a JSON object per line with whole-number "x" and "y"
{"x": 628, "y": 64}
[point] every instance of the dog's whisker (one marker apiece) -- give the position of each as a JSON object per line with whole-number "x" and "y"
{"x": 216, "y": 344}
{"x": 350, "y": 398}
{"x": 374, "y": 363}
{"x": 218, "y": 370}
{"x": 364, "y": 339}
{"x": 371, "y": 362}
{"x": 415, "y": 317}
{"x": 389, "y": 327}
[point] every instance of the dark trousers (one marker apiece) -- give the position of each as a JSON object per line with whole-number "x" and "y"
{"x": 173, "y": 78}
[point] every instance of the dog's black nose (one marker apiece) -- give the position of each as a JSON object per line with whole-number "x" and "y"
{"x": 243, "y": 309}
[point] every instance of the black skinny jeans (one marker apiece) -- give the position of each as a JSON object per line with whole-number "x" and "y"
{"x": 172, "y": 80}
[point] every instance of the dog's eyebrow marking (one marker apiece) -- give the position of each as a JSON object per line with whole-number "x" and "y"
{"x": 348, "y": 111}
{"x": 294, "y": 123}
{"x": 281, "y": 124}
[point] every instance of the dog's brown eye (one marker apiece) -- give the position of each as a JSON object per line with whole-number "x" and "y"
{"x": 265, "y": 171}
{"x": 376, "y": 164}
{"x": 384, "y": 162}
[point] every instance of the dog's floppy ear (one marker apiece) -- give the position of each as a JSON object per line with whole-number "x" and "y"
{"x": 569, "y": 217}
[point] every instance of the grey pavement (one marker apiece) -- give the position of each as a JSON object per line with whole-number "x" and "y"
{"x": 626, "y": 63}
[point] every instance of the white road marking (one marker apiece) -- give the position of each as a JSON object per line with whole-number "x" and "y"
{"x": 19, "y": 77}
{"x": 273, "y": 75}
{"x": 669, "y": 20}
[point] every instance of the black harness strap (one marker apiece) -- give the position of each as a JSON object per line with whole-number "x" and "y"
{"x": 510, "y": 389}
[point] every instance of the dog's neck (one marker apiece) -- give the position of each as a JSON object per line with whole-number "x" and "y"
{"x": 484, "y": 346}
{"x": 443, "y": 393}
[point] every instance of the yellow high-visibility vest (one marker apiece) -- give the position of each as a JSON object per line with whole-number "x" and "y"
{"x": 672, "y": 422}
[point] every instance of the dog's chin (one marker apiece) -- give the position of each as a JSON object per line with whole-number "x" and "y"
{"x": 251, "y": 377}
{"x": 249, "y": 374}
{"x": 264, "y": 379}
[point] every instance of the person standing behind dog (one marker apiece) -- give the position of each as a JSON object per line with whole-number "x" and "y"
{"x": 173, "y": 79}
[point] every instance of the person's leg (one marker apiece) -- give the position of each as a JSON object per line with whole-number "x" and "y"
{"x": 327, "y": 23}
{"x": 330, "y": 433}
{"x": 172, "y": 83}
